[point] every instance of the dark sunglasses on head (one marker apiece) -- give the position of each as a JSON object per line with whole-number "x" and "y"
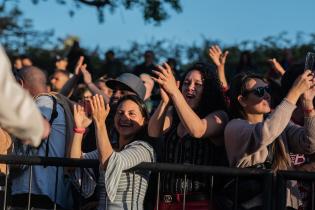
{"x": 259, "y": 91}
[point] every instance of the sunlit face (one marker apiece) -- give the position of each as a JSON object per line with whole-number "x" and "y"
{"x": 192, "y": 88}
{"x": 252, "y": 103}
{"x": 58, "y": 80}
{"x": 128, "y": 119}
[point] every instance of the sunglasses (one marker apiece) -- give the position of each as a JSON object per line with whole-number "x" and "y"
{"x": 259, "y": 91}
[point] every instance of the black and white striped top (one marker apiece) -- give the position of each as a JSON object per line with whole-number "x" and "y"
{"x": 116, "y": 185}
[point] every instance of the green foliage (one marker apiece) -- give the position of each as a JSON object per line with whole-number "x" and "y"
{"x": 18, "y": 36}
{"x": 187, "y": 54}
{"x": 154, "y": 11}
{"x": 17, "y": 33}
{"x": 270, "y": 47}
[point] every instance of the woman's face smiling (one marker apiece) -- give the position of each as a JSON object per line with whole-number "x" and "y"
{"x": 128, "y": 119}
{"x": 252, "y": 103}
{"x": 192, "y": 88}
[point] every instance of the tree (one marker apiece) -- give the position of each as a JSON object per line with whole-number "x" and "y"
{"x": 154, "y": 11}
{"x": 17, "y": 33}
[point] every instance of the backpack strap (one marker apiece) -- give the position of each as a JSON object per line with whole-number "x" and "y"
{"x": 68, "y": 111}
{"x": 54, "y": 115}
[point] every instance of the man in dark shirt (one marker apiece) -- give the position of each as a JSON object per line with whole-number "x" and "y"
{"x": 112, "y": 67}
{"x": 147, "y": 66}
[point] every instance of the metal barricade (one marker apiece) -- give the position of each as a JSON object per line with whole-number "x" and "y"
{"x": 274, "y": 185}
{"x": 283, "y": 177}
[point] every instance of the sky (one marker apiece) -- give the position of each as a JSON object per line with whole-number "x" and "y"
{"x": 230, "y": 21}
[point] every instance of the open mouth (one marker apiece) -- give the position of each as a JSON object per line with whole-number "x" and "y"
{"x": 115, "y": 99}
{"x": 190, "y": 95}
{"x": 125, "y": 124}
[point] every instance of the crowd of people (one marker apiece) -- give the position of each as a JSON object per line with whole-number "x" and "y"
{"x": 155, "y": 114}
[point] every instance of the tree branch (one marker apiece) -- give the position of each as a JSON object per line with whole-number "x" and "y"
{"x": 95, "y": 3}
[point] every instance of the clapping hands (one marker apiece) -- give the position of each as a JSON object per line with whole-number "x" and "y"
{"x": 165, "y": 78}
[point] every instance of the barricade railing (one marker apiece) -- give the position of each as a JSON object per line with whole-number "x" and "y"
{"x": 265, "y": 177}
{"x": 282, "y": 183}
{"x": 43, "y": 161}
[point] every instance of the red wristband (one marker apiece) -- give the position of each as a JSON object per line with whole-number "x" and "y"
{"x": 307, "y": 111}
{"x": 225, "y": 89}
{"x": 79, "y": 130}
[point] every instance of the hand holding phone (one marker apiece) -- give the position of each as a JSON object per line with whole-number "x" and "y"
{"x": 310, "y": 61}
{"x": 87, "y": 108}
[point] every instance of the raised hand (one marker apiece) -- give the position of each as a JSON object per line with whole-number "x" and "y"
{"x": 81, "y": 118}
{"x": 165, "y": 78}
{"x": 308, "y": 95}
{"x": 78, "y": 65}
{"x": 87, "y": 78}
{"x": 276, "y": 66}
{"x": 218, "y": 58}
{"x": 99, "y": 110}
{"x": 304, "y": 82}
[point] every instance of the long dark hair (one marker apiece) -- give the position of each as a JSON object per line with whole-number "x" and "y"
{"x": 212, "y": 98}
{"x": 143, "y": 133}
{"x": 237, "y": 87}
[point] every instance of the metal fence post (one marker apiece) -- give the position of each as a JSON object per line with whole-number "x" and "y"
{"x": 30, "y": 188}
{"x": 267, "y": 190}
{"x": 312, "y": 195}
{"x": 56, "y": 188}
{"x": 281, "y": 192}
{"x": 5, "y": 188}
{"x": 184, "y": 199}
{"x": 236, "y": 193}
{"x": 158, "y": 191}
{"x": 211, "y": 187}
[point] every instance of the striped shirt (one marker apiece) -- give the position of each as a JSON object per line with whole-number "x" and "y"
{"x": 119, "y": 189}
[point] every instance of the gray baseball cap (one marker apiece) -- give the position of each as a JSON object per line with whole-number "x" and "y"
{"x": 130, "y": 82}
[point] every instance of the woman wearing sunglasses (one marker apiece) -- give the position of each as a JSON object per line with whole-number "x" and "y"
{"x": 257, "y": 138}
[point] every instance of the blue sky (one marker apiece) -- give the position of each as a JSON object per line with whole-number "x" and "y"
{"x": 229, "y": 21}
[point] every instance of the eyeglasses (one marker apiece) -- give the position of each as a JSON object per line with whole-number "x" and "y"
{"x": 259, "y": 91}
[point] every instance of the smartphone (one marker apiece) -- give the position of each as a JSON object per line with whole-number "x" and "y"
{"x": 87, "y": 108}
{"x": 310, "y": 61}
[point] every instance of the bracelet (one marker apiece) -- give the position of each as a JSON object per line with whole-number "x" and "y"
{"x": 79, "y": 130}
{"x": 307, "y": 111}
